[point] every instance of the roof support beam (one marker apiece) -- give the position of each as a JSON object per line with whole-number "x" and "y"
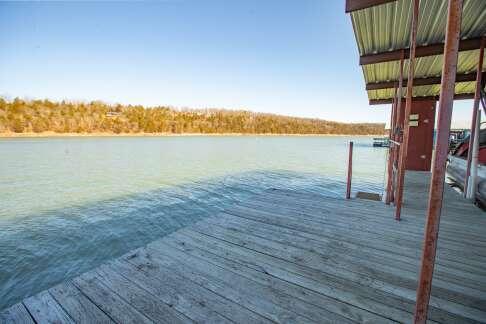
{"x": 470, "y": 191}
{"x": 391, "y": 150}
{"x": 353, "y": 5}
{"x": 421, "y": 81}
{"x": 436, "y": 191}
{"x": 461, "y": 96}
{"x": 408, "y": 108}
{"x": 398, "y": 98}
{"x": 397, "y": 130}
{"x": 421, "y": 51}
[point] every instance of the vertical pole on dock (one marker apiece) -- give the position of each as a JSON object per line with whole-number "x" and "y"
{"x": 469, "y": 185}
{"x": 400, "y": 89}
{"x": 398, "y": 126}
{"x": 399, "y": 94}
{"x": 446, "y": 100}
{"x": 350, "y": 170}
{"x": 408, "y": 108}
{"x": 473, "y": 177}
{"x": 390, "y": 151}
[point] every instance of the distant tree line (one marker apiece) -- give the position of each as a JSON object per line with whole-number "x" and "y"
{"x": 37, "y": 116}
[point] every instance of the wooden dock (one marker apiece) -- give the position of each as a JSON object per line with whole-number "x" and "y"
{"x": 288, "y": 257}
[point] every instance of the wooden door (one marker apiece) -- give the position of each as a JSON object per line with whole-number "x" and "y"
{"x": 422, "y": 121}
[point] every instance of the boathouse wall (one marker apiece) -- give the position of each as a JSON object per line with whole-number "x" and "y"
{"x": 422, "y": 122}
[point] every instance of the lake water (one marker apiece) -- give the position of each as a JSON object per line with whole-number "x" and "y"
{"x": 70, "y": 204}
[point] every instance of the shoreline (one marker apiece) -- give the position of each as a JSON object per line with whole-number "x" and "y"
{"x": 54, "y": 134}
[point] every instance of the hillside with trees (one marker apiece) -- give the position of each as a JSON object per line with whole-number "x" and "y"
{"x": 38, "y": 116}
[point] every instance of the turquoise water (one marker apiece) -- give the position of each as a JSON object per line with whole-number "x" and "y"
{"x": 69, "y": 204}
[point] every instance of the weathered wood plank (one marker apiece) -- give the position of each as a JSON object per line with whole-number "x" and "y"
{"x": 78, "y": 306}
{"x": 149, "y": 258}
{"x": 327, "y": 284}
{"x": 44, "y": 309}
{"x": 377, "y": 214}
{"x": 338, "y": 245}
{"x": 109, "y": 302}
{"x": 343, "y": 256}
{"x": 365, "y": 227}
{"x": 329, "y": 266}
{"x": 273, "y": 304}
{"x": 16, "y": 314}
{"x": 335, "y": 240}
{"x": 367, "y": 298}
{"x": 354, "y": 313}
{"x": 285, "y": 256}
{"x": 380, "y": 241}
{"x": 375, "y": 211}
{"x": 417, "y": 205}
{"x": 194, "y": 301}
{"x": 372, "y": 300}
{"x": 140, "y": 299}
{"x": 347, "y": 220}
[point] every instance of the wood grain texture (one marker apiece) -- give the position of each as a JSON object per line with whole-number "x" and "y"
{"x": 16, "y": 314}
{"x": 45, "y": 309}
{"x": 286, "y": 256}
{"x": 78, "y": 306}
{"x": 110, "y": 303}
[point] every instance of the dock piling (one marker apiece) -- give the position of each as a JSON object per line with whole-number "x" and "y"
{"x": 350, "y": 170}
{"x": 436, "y": 191}
{"x": 470, "y": 182}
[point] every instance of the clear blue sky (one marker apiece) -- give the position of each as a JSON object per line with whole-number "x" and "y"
{"x": 288, "y": 57}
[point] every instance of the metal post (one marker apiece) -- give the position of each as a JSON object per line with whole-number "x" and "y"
{"x": 400, "y": 95}
{"x": 446, "y": 101}
{"x": 394, "y": 148}
{"x": 390, "y": 151}
{"x": 469, "y": 187}
{"x": 408, "y": 108}
{"x": 350, "y": 170}
{"x": 473, "y": 179}
{"x": 398, "y": 126}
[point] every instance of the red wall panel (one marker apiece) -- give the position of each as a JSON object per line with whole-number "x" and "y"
{"x": 419, "y": 155}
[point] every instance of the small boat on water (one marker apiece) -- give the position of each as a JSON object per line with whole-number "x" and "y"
{"x": 457, "y": 162}
{"x": 381, "y": 142}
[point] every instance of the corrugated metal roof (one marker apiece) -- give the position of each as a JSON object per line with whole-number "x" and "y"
{"x": 430, "y": 66}
{"x": 421, "y": 91}
{"x": 387, "y": 27}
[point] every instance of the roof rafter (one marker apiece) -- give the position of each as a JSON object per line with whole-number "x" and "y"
{"x": 460, "y": 96}
{"x": 421, "y": 51}
{"x": 420, "y": 81}
{"x": 353, "y": 5}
